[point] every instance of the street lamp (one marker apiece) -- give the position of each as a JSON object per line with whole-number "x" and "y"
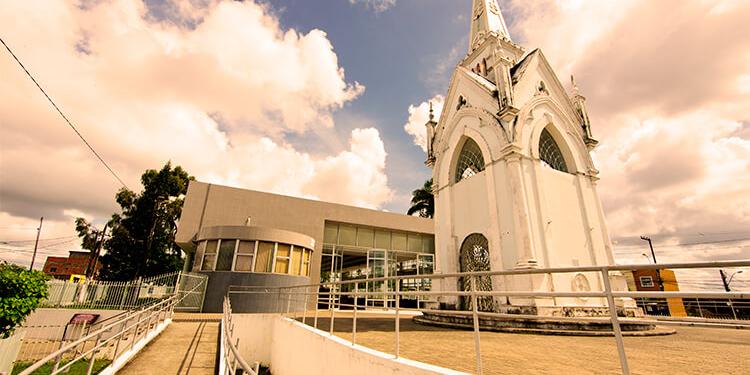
{"x": 648, "y": 259}
{"x": 726, "y": 282}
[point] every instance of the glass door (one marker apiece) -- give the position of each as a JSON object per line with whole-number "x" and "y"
{"x": 330, "y": 271}
{"x": 425, "y": 266}
{"x": 376, "y": 268}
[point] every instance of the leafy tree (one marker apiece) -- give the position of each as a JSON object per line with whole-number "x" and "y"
{"x": 142, "y": 235}
{"x": 21, "y": 291}
{"x": 423, "y": 201}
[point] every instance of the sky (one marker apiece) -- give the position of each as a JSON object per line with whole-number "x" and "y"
{"x": 327, "y": 99}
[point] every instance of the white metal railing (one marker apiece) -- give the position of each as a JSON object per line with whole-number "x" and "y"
{"x": 232, "y": 359}
{"x": 110, "y": 341}
{"x": 110, "y": 338}
{"x": 99, "y": 294}
{"x": 302, "y": 295}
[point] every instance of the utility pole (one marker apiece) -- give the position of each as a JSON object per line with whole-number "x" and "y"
{"x": 36, "y": 243}
{"x": 94, "y": 255}
{"x": 653, "y": 254}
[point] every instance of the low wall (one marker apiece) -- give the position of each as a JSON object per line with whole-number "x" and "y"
{"x": 219, "y": 282}
{"x": 290, "y": 347}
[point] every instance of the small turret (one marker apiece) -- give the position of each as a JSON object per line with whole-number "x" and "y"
{"x": 430, "y": 125}
{"x": 579, "y": 102}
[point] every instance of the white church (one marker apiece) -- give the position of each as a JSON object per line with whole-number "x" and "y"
{"x": 514, "y": 183}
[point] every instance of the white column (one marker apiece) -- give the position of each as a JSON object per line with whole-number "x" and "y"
{"x": 521, "y": 223}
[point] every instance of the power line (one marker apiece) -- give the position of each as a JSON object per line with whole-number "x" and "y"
{"x": 8, "y": 242}
{"x": 63, "y": 116}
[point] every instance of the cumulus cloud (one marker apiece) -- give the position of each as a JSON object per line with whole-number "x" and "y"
{"x": 376, "y": 5}
{"x": 217, "y": 87}
{"x": 419, "y": 115}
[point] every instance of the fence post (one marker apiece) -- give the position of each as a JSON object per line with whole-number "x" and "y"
{"x": 332, "y": 305}
{"x": 354, "y": 321}
{"x": 304, "y": 306}
{"x": 475, "y": 316}
{"x": 288, "y": 300}
{"x": 615, "y": 322}
{"x": 93, "y": 354}
{"x": 398, "y": 320}
{"x": 317, "y": 300}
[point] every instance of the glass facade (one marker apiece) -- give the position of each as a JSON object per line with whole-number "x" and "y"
{"x": 353, "y": 252}
{"x": 253, "y": 256}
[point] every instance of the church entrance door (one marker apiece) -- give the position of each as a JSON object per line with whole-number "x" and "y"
{"x": 475, "y": 257}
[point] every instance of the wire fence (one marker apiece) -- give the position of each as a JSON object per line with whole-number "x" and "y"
{"x": 606, "y": 306}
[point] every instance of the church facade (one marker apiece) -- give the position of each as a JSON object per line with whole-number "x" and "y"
{"x": 514, "y": 182}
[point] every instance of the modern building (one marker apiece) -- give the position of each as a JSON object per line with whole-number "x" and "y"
{"x": 248, "y": 238}
{"x": 77, "y": 263}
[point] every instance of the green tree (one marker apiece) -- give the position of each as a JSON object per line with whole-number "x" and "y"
{"x": 423, "y": 201}
{"x": 21, "y": 291}
{"x": 142, "y": 235}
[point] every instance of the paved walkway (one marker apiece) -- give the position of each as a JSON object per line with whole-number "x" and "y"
{"x": 185, "y": 347}
{"x": 691, "y": 350}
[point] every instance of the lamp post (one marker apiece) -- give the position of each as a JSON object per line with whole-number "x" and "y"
{"x": 726, "y": 282}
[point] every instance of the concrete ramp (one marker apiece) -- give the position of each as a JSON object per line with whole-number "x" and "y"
{"x": 187, "y": 346}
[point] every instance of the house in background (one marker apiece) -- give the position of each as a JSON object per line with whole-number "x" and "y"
{"x": 76, "y": 263}
{"x": 655, "y": 281}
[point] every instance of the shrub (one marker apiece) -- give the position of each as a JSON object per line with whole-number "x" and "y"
{"x": 21, "y": 291}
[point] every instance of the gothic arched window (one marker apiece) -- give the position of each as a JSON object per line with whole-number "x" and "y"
{"x": 550, "y": 154}
{"x": 470, "y": 160}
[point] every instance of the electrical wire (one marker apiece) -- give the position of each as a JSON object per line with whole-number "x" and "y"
{"x": 64, "y": 117}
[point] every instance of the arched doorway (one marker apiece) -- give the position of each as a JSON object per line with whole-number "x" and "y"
{"x": 474, "y": 257}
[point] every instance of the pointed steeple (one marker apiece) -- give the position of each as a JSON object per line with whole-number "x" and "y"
{"x": 486, "y": 18}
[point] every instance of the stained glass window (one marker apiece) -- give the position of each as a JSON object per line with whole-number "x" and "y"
{"x": 470, "y": 160}
{"x": 550, "y": 154}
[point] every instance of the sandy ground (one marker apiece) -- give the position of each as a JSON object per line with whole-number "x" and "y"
{"x": 690, "y": 351}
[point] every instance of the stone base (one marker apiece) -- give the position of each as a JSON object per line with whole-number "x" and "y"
{"x": 547, "y": 325}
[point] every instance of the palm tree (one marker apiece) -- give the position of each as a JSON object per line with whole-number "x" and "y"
{"x": 422, "y": 201}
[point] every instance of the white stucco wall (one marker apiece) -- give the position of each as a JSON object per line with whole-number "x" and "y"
{"x": 290, "y": 347}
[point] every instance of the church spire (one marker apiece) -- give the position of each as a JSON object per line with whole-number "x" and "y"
{"x": 486, "y": 18}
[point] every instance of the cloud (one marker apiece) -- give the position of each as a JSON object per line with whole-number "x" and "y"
{"x": 667, "y": 92}
{"x": 217, "y": 87}
{"x": 376, "y": 5}
{"x": 419, "y": 115}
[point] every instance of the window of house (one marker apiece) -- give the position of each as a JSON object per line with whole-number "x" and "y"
{"x": 53, "y": 269}
{"x": 306, "y": 263}
{"x": 226, "y": 255}
{"x": 265, "y": 256}
{"x": 550, "y": 154}
{"x": 470, "y": 160}
{"x": 209, "y": 257}
{"x": 283, "y": 257}
{"x": 297, "y": 253}
{"x": 646, "y": 281}
{"x": 245, "y": 255}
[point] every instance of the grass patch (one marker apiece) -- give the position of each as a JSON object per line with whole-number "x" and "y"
{"x": 78, "y": 368}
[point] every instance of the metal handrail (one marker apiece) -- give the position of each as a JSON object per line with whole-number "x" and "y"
{"x": 236, "y": 359}
{"x": 124, "y": 320}
{"x": 604, "y": 271}
{"x": 156, "y": 309}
